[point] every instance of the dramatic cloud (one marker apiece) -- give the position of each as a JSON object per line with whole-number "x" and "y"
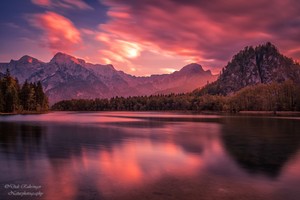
{"x": 67, "y": 4}
{"x": 208, "y": 32}
{"x": 136, "y": 57}
{"x": 59, "y": 32}
{"x": 145, "y": 37}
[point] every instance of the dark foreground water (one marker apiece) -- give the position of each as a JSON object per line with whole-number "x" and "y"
{"x": 125, "y": 155}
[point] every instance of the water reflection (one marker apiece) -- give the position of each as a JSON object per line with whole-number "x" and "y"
{"x": 148, "y": 156}
{"x": 261, "y": 145}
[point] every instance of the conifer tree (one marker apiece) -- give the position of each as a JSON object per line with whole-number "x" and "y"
{"x": 30, "y": 97}
{"x": 10, "y": 93}
{"x": 40, "y": 97}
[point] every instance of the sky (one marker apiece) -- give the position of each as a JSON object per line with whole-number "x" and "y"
{"x": 144, "y": 37}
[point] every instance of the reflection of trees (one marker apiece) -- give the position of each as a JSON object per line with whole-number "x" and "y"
{"x": 261, "y": 145}
{"x": 21, "y": 139}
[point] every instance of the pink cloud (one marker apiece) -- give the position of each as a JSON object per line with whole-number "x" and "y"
{"x": 67, "y": 4}
{"x": 60, "y": 34}
{"x": 208, "y": 32}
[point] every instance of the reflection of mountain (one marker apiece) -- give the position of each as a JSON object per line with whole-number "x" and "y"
{"x": 64, "y": 141}
{"x": 192, "y": 138}
{"x": 261, "y": 145}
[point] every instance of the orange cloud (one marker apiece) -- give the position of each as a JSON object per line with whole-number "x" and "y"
{"x": 60, "y": 34}
{"x": 117, "y": 50}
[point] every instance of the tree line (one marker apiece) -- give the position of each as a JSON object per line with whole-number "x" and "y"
{"x": 16, "y": 98}
{"x": 262, "y": 97}
{"x": 136, "y": 103}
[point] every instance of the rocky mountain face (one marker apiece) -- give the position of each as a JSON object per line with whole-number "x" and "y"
{"x": 262, "y": 64}
{"x": 66, "y": 77}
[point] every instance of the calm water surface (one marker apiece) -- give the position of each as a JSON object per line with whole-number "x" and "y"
{"x": 143, "y": 155}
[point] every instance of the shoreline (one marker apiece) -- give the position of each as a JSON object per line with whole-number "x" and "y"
{"x": 24, "y": 113}
{"x": 245, "y": 112}
{"x": 274, "y": 113}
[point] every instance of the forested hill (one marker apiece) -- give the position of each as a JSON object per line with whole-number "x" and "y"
{"x": 252, "y": 66}
{"x": 16, "y": 98}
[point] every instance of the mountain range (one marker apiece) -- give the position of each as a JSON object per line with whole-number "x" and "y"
{"x": 67, "y": 77}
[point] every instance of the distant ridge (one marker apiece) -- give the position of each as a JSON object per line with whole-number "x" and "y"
{"x": 67, "y": 77}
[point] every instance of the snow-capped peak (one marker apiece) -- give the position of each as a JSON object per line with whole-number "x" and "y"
{"x": 62, "y": 58}
{"x": 28, "y": 60}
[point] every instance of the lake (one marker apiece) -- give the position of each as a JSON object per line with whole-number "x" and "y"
{"x": 149, "y": 155}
